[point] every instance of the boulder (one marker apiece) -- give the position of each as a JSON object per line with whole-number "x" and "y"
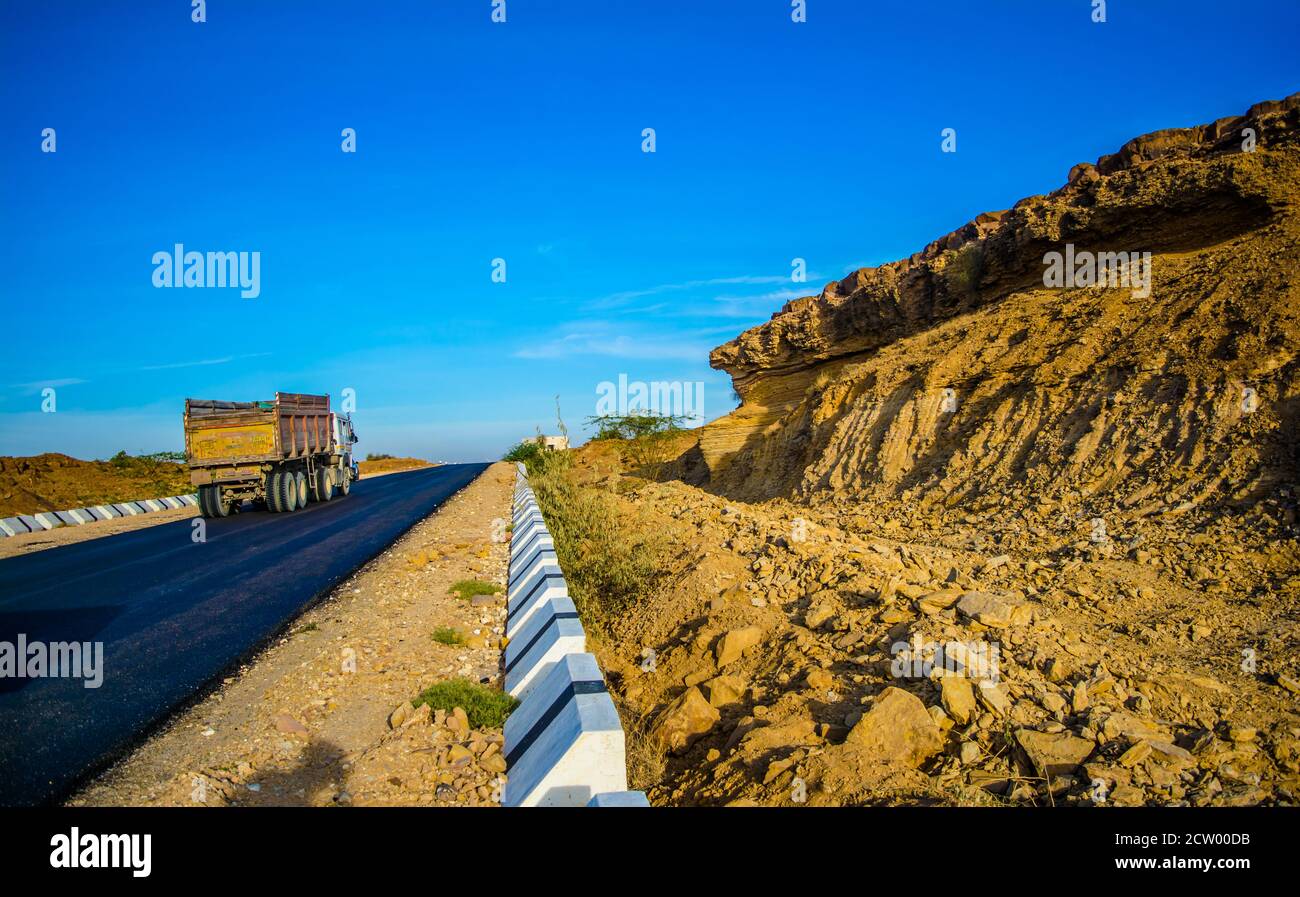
{"x": 1054, "y": 754}
{"x": 724, "y": 690}
{"x": 735, "y": 642}
{"x": 897, "y": 729}
{"x": 994, "y": 611}
{"x": 685, "y": 720}
{"x": 958, "y": 698}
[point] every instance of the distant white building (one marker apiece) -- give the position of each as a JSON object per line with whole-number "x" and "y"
{"x": 552, "y": 443}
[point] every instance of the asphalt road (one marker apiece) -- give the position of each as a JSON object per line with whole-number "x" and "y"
{"x": 173, "y": 614}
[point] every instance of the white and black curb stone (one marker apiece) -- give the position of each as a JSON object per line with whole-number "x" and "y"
{"x": 564, "y": 743}
{"x": 544, "y": 582}
{"x": 48, "y": 520}
{"x": 538, "y": 548}
{"x": 550, "y": 634}
{"x": 620, "y": 799}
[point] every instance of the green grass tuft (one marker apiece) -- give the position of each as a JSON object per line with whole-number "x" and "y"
{"x": 485, "y": 707}
{"x": 448, "y": 636}
{"x": 466, "y": 589}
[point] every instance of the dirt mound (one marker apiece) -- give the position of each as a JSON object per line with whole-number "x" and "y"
{"x": 971, "y": 538}
{"x": 391, "y": 465}
{"x": 955, "y": 377}
{"x": 54, "y": 482}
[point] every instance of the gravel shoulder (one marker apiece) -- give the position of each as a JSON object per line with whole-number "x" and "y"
{"x": 307, "y": 723}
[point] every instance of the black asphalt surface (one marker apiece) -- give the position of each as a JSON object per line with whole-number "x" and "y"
{"x": 174, "y": 614}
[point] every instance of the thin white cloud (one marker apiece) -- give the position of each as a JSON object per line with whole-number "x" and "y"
{"x": 596, "y": 338}
{"x": 206, "y": 361}
{"x": 37, "y": 385}
{"x": 616, "y": 300}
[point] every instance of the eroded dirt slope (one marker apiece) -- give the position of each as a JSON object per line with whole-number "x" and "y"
{"x": 956, "y": 378}
{"x": 1094, "y": 488}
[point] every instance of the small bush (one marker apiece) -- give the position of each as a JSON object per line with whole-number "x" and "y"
{"x": 648, "y": 437}
{"x": 466, "y": 589}
{"x": 965, "y": 269}
{"x": 374, "y": 457}
{"x": 485, "y": 707}
{"x": 634, "y": 426}
{"x": 446, "y": 635}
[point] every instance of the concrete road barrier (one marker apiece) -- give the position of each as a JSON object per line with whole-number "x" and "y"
{"x": 545, "y": 582}
{"x": 542, "y": 552}
{"x": 620, "y": 799}
{"x": 47, "y": 520}
{"x": 528, "y": 529}
{"x": 520, "y": 550}
{"x": 548, "y": 635}
{"x": 564, "y": 744}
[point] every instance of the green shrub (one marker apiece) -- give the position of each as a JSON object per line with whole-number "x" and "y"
{"x": 648, "y": 437}
{"x": 485, "y": 707}
{"x": 448, "y": 636}
{"x": 466, "y": 589}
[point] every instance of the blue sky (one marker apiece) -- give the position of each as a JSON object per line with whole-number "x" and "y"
{"x": 523, "y": 141}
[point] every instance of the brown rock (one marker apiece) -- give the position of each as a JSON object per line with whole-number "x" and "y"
{"x": 288, "y": 725}
{"x": 399, "y": 715}
{"x": 958, "y": 697}
{"x": 724, "y": 690}
{"x": 818, "y": 615}
{"x": 685, "y": 720}
{"x": 1054, "y": 755}
{"x": 458, "y": 723}
{"x": 994, "y": 611}
{"x": 897, "y": 729}
{"x": 822, "y": 680}
{"x": 735, "y": 642}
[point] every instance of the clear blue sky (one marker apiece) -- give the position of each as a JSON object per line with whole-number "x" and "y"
{"x": 523, "y": 141}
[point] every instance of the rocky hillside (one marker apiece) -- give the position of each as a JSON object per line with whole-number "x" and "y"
{"x": 956, "y": 379}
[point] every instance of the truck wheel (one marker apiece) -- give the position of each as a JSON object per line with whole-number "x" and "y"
{"x": 300, "y": 484}
{"x": 345, "y": 483}
{"x": 288, "y": 492}
{"x": 283, "y": 495}
{"x": 273, "y": 492}
{"x": 324, "y": 485}
{"x": 211, "y": 503}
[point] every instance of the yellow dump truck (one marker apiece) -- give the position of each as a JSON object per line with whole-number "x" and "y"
{"x": 280, "y": 454}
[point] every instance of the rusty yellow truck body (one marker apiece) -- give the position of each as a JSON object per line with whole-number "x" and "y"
{"x": 281, "y": 454}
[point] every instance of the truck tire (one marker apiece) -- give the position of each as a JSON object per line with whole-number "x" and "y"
{"x": 345, "y": 482}
{"x": 273, "y": 492}
{"x": 300, "y": 484}
{"x": 283, "y": 493}
{"x": 288, "y": 492}
{"x": 211, "y": 504}
{"x": 324, "y": 484}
